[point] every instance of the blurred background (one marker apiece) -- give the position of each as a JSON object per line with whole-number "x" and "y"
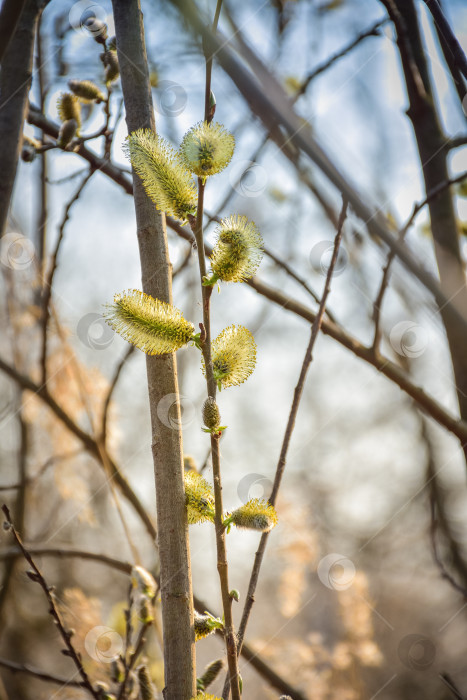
{"x": 353, "y": 601}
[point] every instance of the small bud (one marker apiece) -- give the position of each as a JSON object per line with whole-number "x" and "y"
{"x": 210, "y": 674}
{"x": 207, "y": 148}
{"x": 199, "y": 498}
{"x": 234, "y": 594}
{"x": 146, "y": 688}
{"x": 68, "y": 108}
{"x": 33, "y": 576}
{"x": 97, "y": 28}
{"x": 151, "y": 325}
{"x": 7, "y": 526}
{"x": 233, "y": 356}
{"x": 165, "y": 178}
{"x": 86, "y": 91}
{"x": 67, "y": 133}
{"x": 112, "y": 43}
{"x": 143, "y": 581}
{"x": 205, "y": 625}
{"x": 254, "y": 515}
{"x": 144, "y": 611}
{"x": 211, "y": 414}
{"x": 29, "y": 149}
{"x": 212, "y": 107}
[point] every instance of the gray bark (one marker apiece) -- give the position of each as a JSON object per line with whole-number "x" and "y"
{"x": 177, "y": 601}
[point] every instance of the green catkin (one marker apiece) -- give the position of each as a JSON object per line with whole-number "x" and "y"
{"x": 150, "y": 324}
{"x": 211, "y": 414}
{"x": 146, "y": 687}
{"x": 166, "y": 181}
{"x": 86, "y": 91}
{"x": 237, "y": 252}
{"x": 207, "y": 149}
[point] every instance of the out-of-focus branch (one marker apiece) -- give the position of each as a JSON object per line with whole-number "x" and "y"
{"x": 111, "y": 389}
{"x": 15, "y": 81}
{"x": 253, "y": 658}
{"x": 87, "y": 441}
{"x": 444, "y": 28}
{"x": 48, "y": 283}
{"x": 49, "y": 678}
{"x": 66, "y": 635}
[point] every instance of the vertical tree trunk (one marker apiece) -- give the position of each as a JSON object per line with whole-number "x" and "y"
{"x": 15, "y": 81}
{"x": 431, "y": 144}
{"x": 177, "y": 605}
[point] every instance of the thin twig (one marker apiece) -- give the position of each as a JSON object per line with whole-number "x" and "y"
{"x": 444, "y": 27}
{"x": 48, "y": 283}
{"x": 372, "y": 31}
{"x": 447, "y": 680}
{"x": 36, "y": 576}
{"x": 435, "y": 192}
{"x": 308, "y": 358}
{"x": 111, "y": 389}
{"x": 22, "y": 668}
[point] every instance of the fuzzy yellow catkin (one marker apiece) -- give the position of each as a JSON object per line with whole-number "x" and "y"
{"x": 166, "y": 181}
{"x": 152, "y": 325}
{"x": 207, "y": 149}
{"x": 254, "y": 515}
{"x": 211, "y": 414}
{"x": 205, "y": 625}
{"x": 112, "y": 69}
{"x": 146, "y": 688}
{"x": 233, "y": 356}
{"x": 210, "y": 673}
{"x": 199, "y": 498}
{"x": 86, "y": 90}
{"x": 68, "y": 108}
{"x": 238, "y": 250}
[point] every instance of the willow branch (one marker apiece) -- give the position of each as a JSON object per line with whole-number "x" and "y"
{"x": 41, "y": 675}
{"x": 307, "y": 360}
